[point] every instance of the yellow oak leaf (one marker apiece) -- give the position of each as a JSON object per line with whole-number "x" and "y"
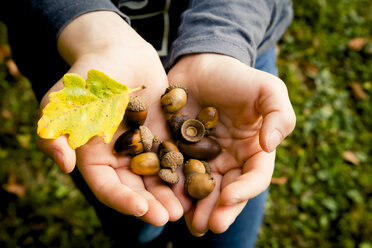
{"x": 84, "y": 109}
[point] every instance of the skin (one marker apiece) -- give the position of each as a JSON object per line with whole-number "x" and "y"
{"x": 252, "y": 123}
{"x": 110, "y": 45}
{"x": 260, "y": 106}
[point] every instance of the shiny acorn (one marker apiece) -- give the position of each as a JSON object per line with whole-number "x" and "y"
{"x": 174, "y": 98}
{"x": 136, "y": 111}
{"x": 199, "y": 185}
{"x": 145, "y": 164}
{"x": 206, "y": 149}
{"x": 209, "y": 117}
{"x": 175, "y": 121}
{"x": 135, "y": 141}
{"x": 194, "y": 165}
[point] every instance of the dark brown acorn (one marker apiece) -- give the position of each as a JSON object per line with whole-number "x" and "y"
{"x": 174, "y": 98}
{"x": 198, "y": 185}
{"x": 135, "y": 141}
{"x": 192, "y": 130}
{"x": 136, "y": 112}
{"x": 175, "y": 122}
{"x": 145, "y": 164}
{"x": 206, "y": 149}
{"x": 129, "y": 143}
{"x": 209, "y": 117}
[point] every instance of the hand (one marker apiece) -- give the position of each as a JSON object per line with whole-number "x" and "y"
{"x": 255, "y": 116}
{"x": 113, "y": 47}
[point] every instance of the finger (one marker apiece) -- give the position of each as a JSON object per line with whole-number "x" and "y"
{"x": 165, "y": 196}
{"x": 157, "y": 214}
{"x": 188, "y": 219}
{"x": 279, "y": 118}
{"x": 205, "y": 206}
{"x": 257, "y": 173}
{"x": 224, "y": 215}
{"x": 179, "y": 191}
{"x": 60, "y": 151}
{"x": 105, "y": 184}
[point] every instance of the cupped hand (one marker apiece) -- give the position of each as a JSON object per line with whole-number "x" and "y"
{"x": 255, "y": 116}
{"x": 132, "y": 62}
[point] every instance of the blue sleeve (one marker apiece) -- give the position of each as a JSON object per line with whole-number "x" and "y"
{"x": 241, "y": 29}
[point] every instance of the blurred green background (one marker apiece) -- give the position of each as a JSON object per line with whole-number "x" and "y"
{"x": 322, "y": 186}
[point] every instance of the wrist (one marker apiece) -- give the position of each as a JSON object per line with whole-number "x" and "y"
{"x": 96, "y": 33}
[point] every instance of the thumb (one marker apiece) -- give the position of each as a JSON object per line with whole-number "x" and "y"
{"x": 279, "y": 118}
{"x": 60, "y": 151}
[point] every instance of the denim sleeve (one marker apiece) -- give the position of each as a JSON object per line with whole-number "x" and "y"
{"x": 239, "y": 28}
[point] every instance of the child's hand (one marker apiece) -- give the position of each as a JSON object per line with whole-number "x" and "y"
{"x": 255, "y": 116}
{"x": 123, "y": 55}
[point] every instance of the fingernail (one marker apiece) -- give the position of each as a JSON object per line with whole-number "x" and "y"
{"x": 274, "y": 140}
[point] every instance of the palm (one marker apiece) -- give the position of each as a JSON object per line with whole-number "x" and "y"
{"x": 107, "y": 174}
{"x": 241, "y": 96}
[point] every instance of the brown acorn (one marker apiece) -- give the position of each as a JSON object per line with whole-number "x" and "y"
{"x": 198, "y": 185}
{"x": 209, "y": 117}
{"x": 174, "y": 98}
{"x": 145, "y": 164}
{"x": 192, "y": 130}
{"x": 135, "y": 141}
{"x": 175, "y": 122}
{"x": 168, "y": 175}
{"x": 194, "y": 165}
{"x": 172, "y": 160}
{"x": 165, "y": 147}
{"x": 206, "y": 149}
{"x": 136, "y": 112}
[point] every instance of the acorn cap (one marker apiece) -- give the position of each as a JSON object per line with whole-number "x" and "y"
{"x": 172, "y": 160}
{"x": 136, "y": 104}
{"x": 192, "y": 130}
{"x": 168, "y": 175}
{"x": 147, "y": 138}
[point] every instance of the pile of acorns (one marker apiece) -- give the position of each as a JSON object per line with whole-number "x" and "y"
{"x": 192, "y": 143}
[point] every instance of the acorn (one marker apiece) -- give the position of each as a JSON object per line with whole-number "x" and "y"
{"x": 172, "y": 160}
{"x": 135, "y": 141}
{"x": 206, "y": 149}
{"x": 175, "y": 121}
{"x": 136, "y": 111}
{"x": 209, "y": 117}
{"x": 174, "y": 98}
{"x": 145, "y": 164}
{"x": 194, "y": 165}
{"x": 199, "y": 185}
{"x": 168, "y": 175}
{"x": 165, "y": 147}
{"x": 192, "y": 130}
